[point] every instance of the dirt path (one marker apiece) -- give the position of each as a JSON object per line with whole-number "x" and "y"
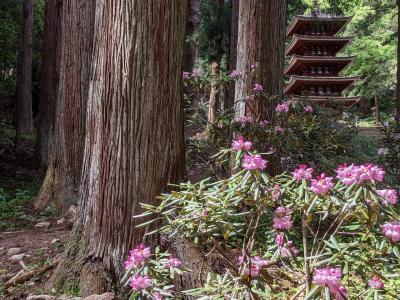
{"x": 39, "y": 246}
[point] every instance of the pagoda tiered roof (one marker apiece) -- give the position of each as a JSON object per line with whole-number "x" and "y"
{"x": 301, "y": 42}
{"x": 298, "y": 83}
{"x": 304, "y": 24}
{"x": 299, "y": 65}
{"x": 315, "y": 67}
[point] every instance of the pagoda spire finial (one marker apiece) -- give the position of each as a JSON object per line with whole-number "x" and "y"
{"x": 315, "y": 11}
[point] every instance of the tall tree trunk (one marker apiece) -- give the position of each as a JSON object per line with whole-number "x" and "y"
{"x": 24, "y": 117}
{"x": 60, "y": 186}
{"x": 398, "y": 68}
{"x": 233, "y": 49}
{"x": 134, "y": 143}
{"x": 192, "y": 50}
{"x": 212, "y": 104}
{"x": 50, "y": 71}
{"x": 261, "y": 41}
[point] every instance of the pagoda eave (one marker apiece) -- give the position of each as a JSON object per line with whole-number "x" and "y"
{"x": 299, "y": 61}
{"x": 298, "y": 82}
{"x": 300, "y": 40}
{"x": 300, "y": 21}
{"x": 326, "y": 100}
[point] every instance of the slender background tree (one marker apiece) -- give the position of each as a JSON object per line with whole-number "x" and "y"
{"x": 24, "y": 118}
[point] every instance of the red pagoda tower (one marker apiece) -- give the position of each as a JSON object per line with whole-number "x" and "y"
{"x": 314, "y": 67}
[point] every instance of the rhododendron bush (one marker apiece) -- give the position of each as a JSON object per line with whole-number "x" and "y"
{"x": 294, "y": 235}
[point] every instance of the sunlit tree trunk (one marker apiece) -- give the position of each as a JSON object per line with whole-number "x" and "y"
{"x": 50, "y": 68}
{"x": 134, "y": 143}
{"x": 261, "y": 42}
{"x": 24, "y": 119}
{"x": 233, "y": 49}
{"x": 60, "y": 186}
{"x": 398, "y": 68}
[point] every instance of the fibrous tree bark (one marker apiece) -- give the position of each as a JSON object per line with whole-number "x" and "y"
{"x": 49, "y": 79}
{"x": 261, "y": 42}
{"x": 60, "y": 186}
{"x": 134, "y": 144}
{"x": 24, "y": 119}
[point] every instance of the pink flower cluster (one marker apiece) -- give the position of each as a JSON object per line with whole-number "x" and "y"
{"x": 330, "y": 277}
{"x": 303, "y": 172}
{"x": 254, "y": 162}
{"x": 376, "y": 283}
{"x": 186, "y": 75}
{"x": 308, "y": 109}
{"x": 234, "y": 74}
{"x": 256, "y": 263}
{"x": 241, "y": 144}
{"x": 258, "y": 88}
{"x": 388, "y": 196}
{"x": 137, "y": 256}
{"x": 289, "y": 250}
{"x": 173, "y": 263}
{"x": 282, "y": 107}
{"x": 245, "y": 120}
{"x": 322, "y": 184}
{"x": 195, "y": 73}
{"x": 138, "y": 282}
{"x": 358, "y": 174}
{"x": 282, "y": 218}
{"x": 392, "y": 231}
{"x": 279, "y": 129}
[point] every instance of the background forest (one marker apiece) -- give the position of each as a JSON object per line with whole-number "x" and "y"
{"x": 147, "y": 152}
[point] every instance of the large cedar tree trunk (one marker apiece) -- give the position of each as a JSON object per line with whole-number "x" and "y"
{"x": 60, "y": 186}
{"x": 24, "y": 119}
{"x": 50, "y": 68}
{"x": 134, "y": 143}
{"x": 261, "y": 42}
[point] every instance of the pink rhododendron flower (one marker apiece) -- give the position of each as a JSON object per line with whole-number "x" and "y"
{"x": 138, "y": 282}
{"x": 303, "y": 172}
{"x": 322, "y": 184}
{"x": 137, "y": 256}
{"x": 289, "y": 250}
{"x": 254, "y": 162}
{"x": 339, "y": 292}
{"x": 328, "y": 277}
{"x": 256, "y": 260}
{"x": 258, "y": 88}
{"x": 280, "y": 239}
{"x": 282, "y": 107}
{"x": 245, "y": 120}
{"x": 157, "y": 296}
{"x": 282, "y": 218}
{"x": 358, "y": 174}
{"x": 276, "y": 192}
{"x": 241, "y": 144}
{"x": 253, "y": 271}
{"x": 173, "y": 263}
{"x": 308, "y": 109}
{"x": 392, "y": 231}
{"x": 347, "y": 174}
{"x": 279, "y": 129}
{"x": 234, "y": 74}
{"x": 263, "y": 123}
{"x": 388, "y": 196}
{"x": 376, "y": 283}
{"x": 186, "y": 75}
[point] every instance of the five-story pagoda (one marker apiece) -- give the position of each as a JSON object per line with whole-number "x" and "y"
{"x": 314, "y": 67}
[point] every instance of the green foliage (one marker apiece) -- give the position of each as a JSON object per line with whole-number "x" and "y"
{"x": 14, "y": 209}
{"x": 214, "y": 30}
